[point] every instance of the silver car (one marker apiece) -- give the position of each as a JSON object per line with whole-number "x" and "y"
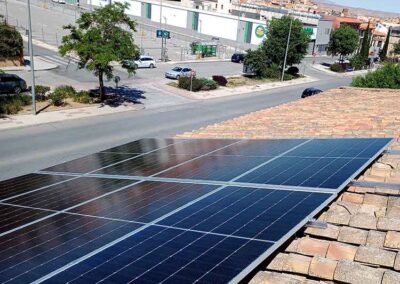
{"x": 179, "y": 71}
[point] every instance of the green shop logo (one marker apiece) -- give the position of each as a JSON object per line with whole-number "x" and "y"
{"x": 260, "y": 31}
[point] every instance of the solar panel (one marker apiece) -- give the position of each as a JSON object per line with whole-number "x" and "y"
{"x": 170, "y": 210}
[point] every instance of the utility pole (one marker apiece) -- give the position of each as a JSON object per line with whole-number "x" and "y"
{"x": 6, "y": 19}
{"x": 33, "y": 91}
{"x": 287, "y": 48}
{"x": 162, "y": 37}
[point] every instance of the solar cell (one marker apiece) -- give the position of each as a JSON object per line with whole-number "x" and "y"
{"x": 252, "y": 213}
{"x": 37, "y": 250}
{"x": 219, "y": 168}
{"x": 306, "y": 172}
{"x": 143, "y": 145}
{"x": 69, "y": 193}
{"x": 169, "y": 255}
{"x": 144, "y": 202}
{"x": 13, "y": 217}
{"x": 26, "y": 183}
{"x": 90, "y": 163}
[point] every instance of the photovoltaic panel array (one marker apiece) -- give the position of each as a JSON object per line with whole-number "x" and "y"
{"x": 170, "y": 210}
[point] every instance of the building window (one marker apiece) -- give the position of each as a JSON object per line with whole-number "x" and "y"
{"x": 216, "y": 6}
{"x": 222, "y": 7}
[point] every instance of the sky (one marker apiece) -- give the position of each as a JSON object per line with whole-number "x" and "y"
{"x": 382, "y": 5}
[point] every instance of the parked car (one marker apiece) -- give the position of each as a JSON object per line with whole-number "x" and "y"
{"x": 142, "y": 62}
{"x": 179, "y": 71}
{"x": 343, "y": 61}
{"x": 238, "y": 57}
{"x": 59, "y": 1}
{"x": 310, "y": 92}
{"x": 11, "y": 84}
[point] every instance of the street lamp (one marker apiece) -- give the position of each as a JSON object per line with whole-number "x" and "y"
{"x": 31, "y": 58}
{"x": 162, "y": 37}
{"x": 6, "y": 12}
{"x": 287, "y": 48}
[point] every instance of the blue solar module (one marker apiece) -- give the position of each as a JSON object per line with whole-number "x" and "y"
{"x": 145, "y": 201}
{"x": 167, "y": 255}
{"x": 346, "y": 147}
{"x": 39, "y": 249}
{"x": 306, "y": 172}
{"x": 170, "y": 210}
{"x": 251, "y": 213}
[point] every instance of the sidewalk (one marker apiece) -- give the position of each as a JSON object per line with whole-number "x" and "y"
{"x": 225, "y": 91}
{"x": 40, "y": 65}
{"x": 319, "y": 67}
{"x": 15, "y": 121}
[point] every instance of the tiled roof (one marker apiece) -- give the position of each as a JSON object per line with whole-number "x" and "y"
{"x": 361, "y": 243}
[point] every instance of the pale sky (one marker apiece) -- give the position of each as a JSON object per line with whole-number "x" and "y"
{"x": 382, "y": 5}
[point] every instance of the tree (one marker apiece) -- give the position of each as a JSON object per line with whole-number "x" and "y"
{"x": 364, "y": 51}
{"x": 100, "y": 38}
{"x": 11, "y": 43}
{"x": 384, "y": 51}
{"x": 396, "y": 48}
{"x": 275, "y": 44}
{"x": 344, "y": 41}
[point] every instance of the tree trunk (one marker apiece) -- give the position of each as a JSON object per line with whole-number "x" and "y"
{"x": 101, "y": 88}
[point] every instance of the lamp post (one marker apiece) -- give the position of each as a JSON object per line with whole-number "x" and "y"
{"x": 162, "y": 37}
{"x": 31, "y": 58}
{"x": 6, "y": 19}
{"x": 287, "y": 48}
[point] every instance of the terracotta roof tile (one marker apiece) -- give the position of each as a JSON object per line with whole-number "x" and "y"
{"x": 376, "y": 256}
{"x": 351, "y": 272}
{"x": 353, "y": 197}
{"x": 393, "y": 212}
{"x": 337, "y": 217}
{"x": 312, "y": 247}
{"x": 322, "y": 268}
{"x": 388, "y": 224}
{"x": 397, "y": 262}
{"x": 339, "y": 251}
{"x": 277, "y": 262}
{"x": 331, "y": 232}
{"x": 353, "y": 236}
{"x": 377, "y": 200}
{"x": 363, "y": 221}
{"x": 296, "y": 263}
{"x": 375, "y": 239}
{"x": 392, "y": 240}
{"x": 391, "y": 277}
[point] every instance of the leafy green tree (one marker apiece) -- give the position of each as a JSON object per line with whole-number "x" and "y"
{"x": 100, "y": 38}
{"x": 396, "y": 48}
{"x": 275, "y": 44}
{"x": 364, "y": 51}
{"x": 387, "y": 76}
{"x": 11, "y": 43}
{"x": 384, "y": 51}
{"x": 257, "y": 61}
{"x": 344, "y": 41}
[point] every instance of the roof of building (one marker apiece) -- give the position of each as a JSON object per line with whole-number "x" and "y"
{"x": 362, "y": 241}
{"x": 337, "y": 21}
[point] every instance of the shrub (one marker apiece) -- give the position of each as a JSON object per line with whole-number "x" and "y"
{"x": 293, "y": 70}
{"x": 387, "y": 76}
{"x": 83, "y": 97}
{"x": 208, "y": 84}
{"x": 184, "y": 83}
{"x": 221, "y": 80}
{"x": 66, "y": 91}
{"x": 197, "y": 84}
{"x": 272, "y": 72}
{"x": 13, "y": 104}
{"x": 288, "y": 77}
{"x": 57, "y": 98}
{"x": 358, "y": 62}
{"x": 11, "y": 43}
{"x": 337, "y": 68}
{"x": 40, "y": 92}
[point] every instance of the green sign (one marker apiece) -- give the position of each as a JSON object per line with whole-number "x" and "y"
{"x": 308, "y": 30}
{"x": 163, "y": 34}
{"x": 260, "y": 31}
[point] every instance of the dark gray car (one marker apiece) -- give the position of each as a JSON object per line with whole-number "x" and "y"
{"x": 11, "y": 84}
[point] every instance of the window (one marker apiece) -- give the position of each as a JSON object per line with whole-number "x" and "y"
{"x": 222, "y": 7}
{"x": 216, "y": 6}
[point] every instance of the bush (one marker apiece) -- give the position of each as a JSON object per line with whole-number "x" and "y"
{"x": 293, "y": 70}
{"x": 66, "y": 91}
{"x": 387, "y": 76}
{"x": 197, "y": 84}
{"x": 272, "y": 72}
{"x": 288, "y": 77}
{"x": 40, "y": 92}
{"x": 11, "y": 43}
{"x": 337, "y": 68}
{"x": 221, "y": 80}
{"x": 184, "y": 83}
{"x": 358, "y": 62}
{"x": 208, "y": 84}
{"x": 57, "y": 98}
{"x": 13, "y": 104}
{"x": 83, "y": 97}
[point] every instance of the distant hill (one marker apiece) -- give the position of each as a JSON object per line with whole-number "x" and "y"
{"x": 355, "y": 10}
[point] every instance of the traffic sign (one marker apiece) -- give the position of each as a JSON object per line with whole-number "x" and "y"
{"x": 163, "y": 34}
